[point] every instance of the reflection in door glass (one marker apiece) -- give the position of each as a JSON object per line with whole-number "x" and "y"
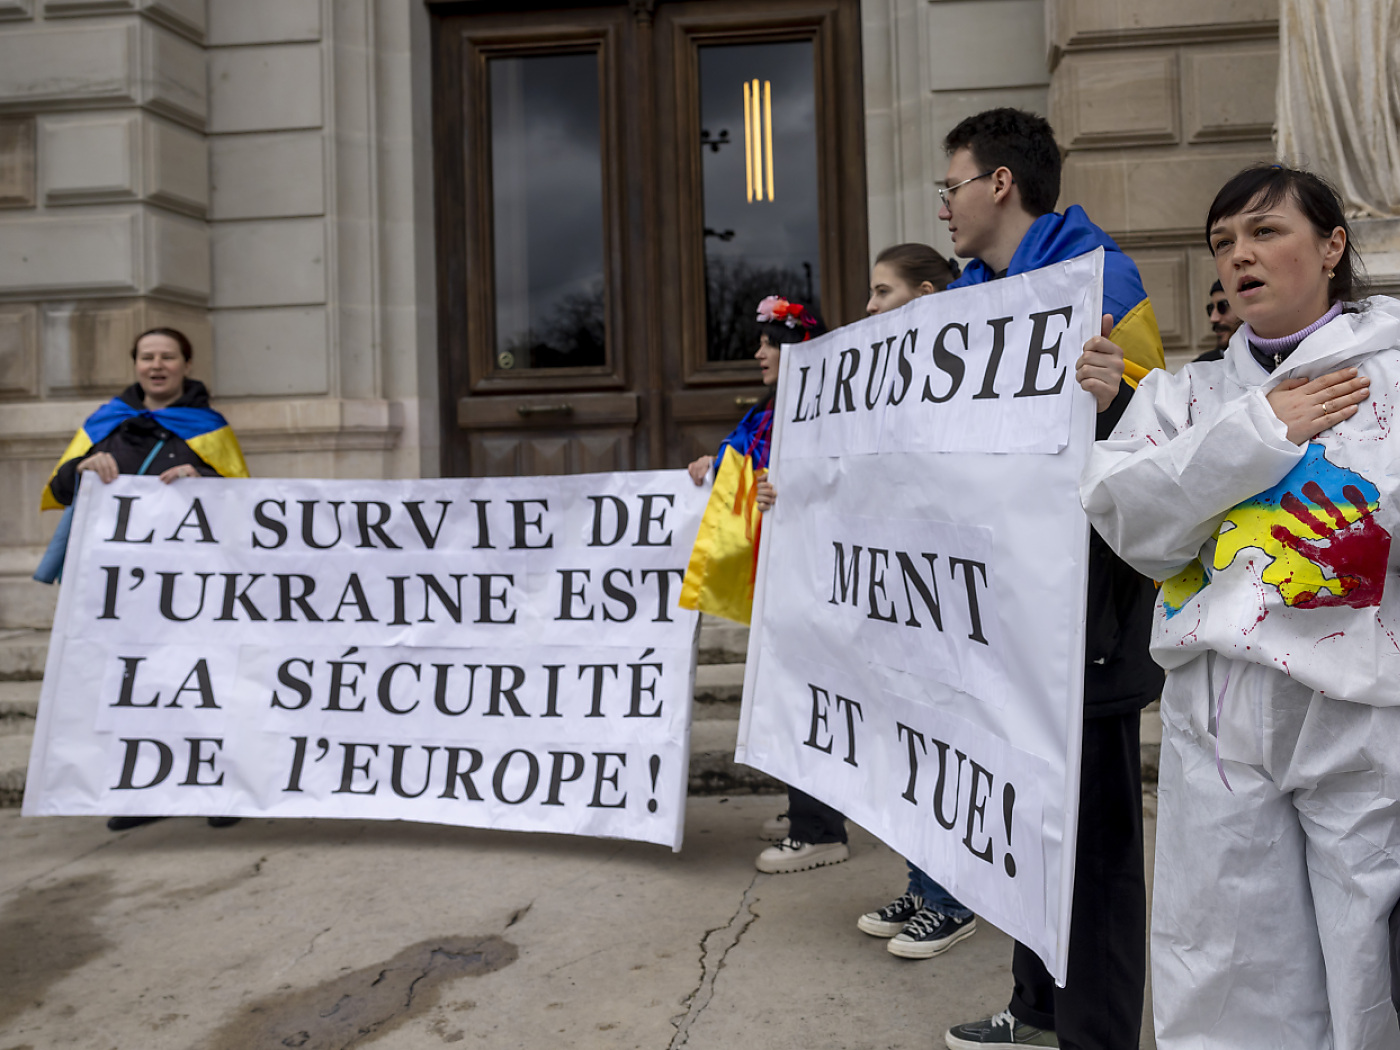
{"x": 758, "y": 148}
{"x": 547, "y": 210}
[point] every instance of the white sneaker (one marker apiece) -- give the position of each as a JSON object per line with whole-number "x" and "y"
{"x": 775, "y": 829}
{"x": 791, "y": 855}
{"x": 889, "y": 921}
{"x": 930, "y": 933}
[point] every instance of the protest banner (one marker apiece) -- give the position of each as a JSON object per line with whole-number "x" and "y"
{"x": 491, "y": 652}
{"x": 917, "y": 657}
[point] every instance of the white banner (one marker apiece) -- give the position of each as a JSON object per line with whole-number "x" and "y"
{"x": 502, "y": 652}
{"x": 917, "y": 658}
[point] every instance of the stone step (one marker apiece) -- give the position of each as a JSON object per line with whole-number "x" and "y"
{"x": 713, "y": 770}
{"x": 722, "y": 641}
{"x": 14, "y": 763}
{"x": 22, "y": 655}
{"x": 718, "y": 690}
{"x": 19, "y": 703}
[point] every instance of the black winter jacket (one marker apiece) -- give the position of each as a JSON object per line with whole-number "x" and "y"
{"x": 1119, "y": 673}
{"x": 133, "y": 440}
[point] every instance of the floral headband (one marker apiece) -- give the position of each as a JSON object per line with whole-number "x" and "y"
{"x": 775, "y": 309}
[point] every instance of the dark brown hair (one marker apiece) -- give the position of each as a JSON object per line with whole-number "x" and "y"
{"x": 1020, "y": 141}
{"x": 917, "y": 263}
{"x": 1265, "y": 185}
{"x": 180, "y": 338}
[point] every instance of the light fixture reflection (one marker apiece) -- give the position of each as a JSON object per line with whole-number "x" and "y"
{"x": 758, "y": 140}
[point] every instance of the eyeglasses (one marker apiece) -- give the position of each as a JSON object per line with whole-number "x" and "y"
{"x": 944, "y": 192}
{"x": 1223, "y": 306}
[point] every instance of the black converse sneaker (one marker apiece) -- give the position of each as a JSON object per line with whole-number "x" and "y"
{"x": 930, "y": 933}
{"x": 890, "y": 919}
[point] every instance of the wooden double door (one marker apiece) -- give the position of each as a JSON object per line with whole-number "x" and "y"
{"x": 617, "y": 186}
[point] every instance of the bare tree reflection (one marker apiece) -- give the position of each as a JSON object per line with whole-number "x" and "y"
{"x": 572, "y": 335}
{"x": 733, "y": 289}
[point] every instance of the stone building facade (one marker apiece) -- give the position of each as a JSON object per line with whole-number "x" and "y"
{"x": 261, "y": 173}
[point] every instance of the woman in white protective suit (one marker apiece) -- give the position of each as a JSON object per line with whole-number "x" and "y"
{"x": 1262, "y": 489}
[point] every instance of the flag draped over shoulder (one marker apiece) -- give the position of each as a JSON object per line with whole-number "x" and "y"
{"x": 205, "y": 431}
{"x": 720, "y": 577}
{"x": 1056, "y": 238}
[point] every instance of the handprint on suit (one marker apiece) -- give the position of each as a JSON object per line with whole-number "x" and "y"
{"x": 1353, "y": 553}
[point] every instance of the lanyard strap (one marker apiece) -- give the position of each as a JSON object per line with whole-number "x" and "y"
{"x": 147, "y": 462}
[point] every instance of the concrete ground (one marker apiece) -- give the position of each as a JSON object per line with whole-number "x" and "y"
{"x": 336, "y": 934}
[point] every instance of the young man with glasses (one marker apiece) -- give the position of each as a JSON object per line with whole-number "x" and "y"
{"x": 998, "y": 200}
{"x": 1223, "y": 322}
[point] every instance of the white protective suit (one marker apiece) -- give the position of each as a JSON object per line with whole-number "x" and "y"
{"x": 1282, "y": 645}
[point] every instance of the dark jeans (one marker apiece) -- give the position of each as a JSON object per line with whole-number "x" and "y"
{"x": 934, "y": 893}
{"x": 813, "y": 821}
{"x": 1100, "y": 1007}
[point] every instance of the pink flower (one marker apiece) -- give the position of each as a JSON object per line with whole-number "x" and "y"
{"x": 771, "y": 309}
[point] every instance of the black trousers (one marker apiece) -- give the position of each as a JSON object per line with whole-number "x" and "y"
{"x": 812, "y": 820}
{"x": 1100, "y": 1007}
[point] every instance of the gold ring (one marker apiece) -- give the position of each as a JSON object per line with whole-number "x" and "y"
{"x": 1326, "y": 408}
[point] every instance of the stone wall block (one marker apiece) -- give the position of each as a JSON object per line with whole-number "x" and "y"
{"x": 272, "y": 353}
{"x": 276, "y": 263}
{"x": 275, "y": 88}
{"x": 1112, "y": 100}
{"x": 17, "y": 163}
{"x": 16, "y": 9}
{"x": 1097, "y": 184}
{"x": 75, "y": 254}
{"x": 176, "y": 167}
{"x": 87, "y": 346}
{"x": 19, "y": 350}
{"x": 1096, "y": 23}
{"x": 1160, "y": 196}
{"x": 1228, "y": 92}
{"x": 177, "y": 257}
{"x": 1164, "y": 275}
{"x": 174, "y": 76}
{"x": 281, "y": 175}
{"x": 264, "y": 22}
{"x": 90, "y": 158}
{"x": 976, "y": 44}
{"x": 184, "y": 16}
{"x": 69, "y": 66}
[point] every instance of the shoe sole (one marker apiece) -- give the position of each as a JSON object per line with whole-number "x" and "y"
{"x": 956, "y": 1043}
{"x": 807, "y": 865}
{"x": 877, "y": 928}
{"x": 929, "y": 949}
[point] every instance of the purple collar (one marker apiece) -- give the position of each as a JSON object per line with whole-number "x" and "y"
{"x": 1279, "y": 349}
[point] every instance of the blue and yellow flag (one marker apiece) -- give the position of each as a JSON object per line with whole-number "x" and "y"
{"x": 205, "y": 431}
{"x": 1056, "y": 238}
{"x": 720, "y": 577}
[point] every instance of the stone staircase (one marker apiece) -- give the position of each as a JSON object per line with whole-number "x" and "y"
{"x": 22, "y": 656}
{"x": 719, "y": 685}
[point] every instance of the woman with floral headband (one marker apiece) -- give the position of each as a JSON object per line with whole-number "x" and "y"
{"x": 811, "y": 833}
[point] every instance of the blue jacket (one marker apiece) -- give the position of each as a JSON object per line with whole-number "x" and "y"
{"x": 1055, "y": 238}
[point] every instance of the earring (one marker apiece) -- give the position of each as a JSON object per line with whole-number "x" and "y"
{"x": 1331, "y": 274}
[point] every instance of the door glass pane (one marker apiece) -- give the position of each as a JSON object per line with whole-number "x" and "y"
{"x": 758, "y": 148}
{"x": 547, "y": 210}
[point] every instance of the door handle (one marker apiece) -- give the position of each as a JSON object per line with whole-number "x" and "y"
{"x": 745, "y": 402}
{"x": 563, "y": 409}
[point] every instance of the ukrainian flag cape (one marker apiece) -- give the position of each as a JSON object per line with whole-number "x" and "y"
{"x": 205, "y": 431}
{"x": 1056, "y": 238}
{"x": 720, "y": 577}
